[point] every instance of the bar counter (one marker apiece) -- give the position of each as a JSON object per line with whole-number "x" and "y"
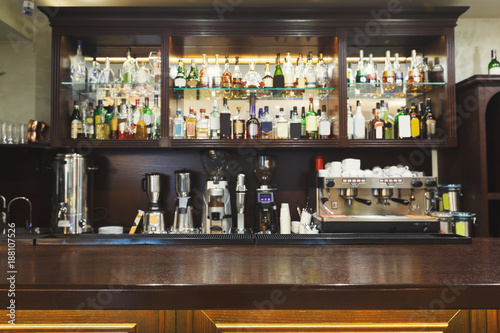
{"x": 257, "y": 277}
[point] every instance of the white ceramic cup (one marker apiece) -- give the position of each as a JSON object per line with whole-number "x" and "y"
{"x": 336, "y": 169}
{"x": 295, "y": 227}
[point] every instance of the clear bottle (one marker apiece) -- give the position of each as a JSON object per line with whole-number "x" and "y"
{"x": 122, "y": 120}
{"x": 252, "y": 79}
{"x": 141, "y": 130}
{"x": 321, "y": 73}
{"x": 325, "y": 126}
{"x": 398, "y": 77}
{"x": 113, "y": 135}
{"x": 156, "y": 119}
{"x": 413, "y": 73}
{"x": 204, "y": 79}
{"x": 237, "y": 79}
{"x": 350, "y": 121}
{"x": 202, "y": 126}
{"x": 388, "y": 76}
{"x": 227, "y": 81}
{"x": 310, "y": 72}
{"x": 130, "y": 132}
{"x": 494, "y": 65}
{"x": 424, "y": 76}
{"x": 267, "y": 124}
{"x": 311, "y": 121}
{"x": 288, "y": 75}
{"x": 295, "y": 124}
{"x": 180, "y": 79}
{"x": 179, "y": 132}
{"x": 377, "y": 125}
{"x": 192, "y": 78}
{"x": 78, "y": 69}
{"x": 430, "y": 121}
{"x": 215, "y": 121}
{"x": 359, "y": 123}
{"x": 253, "y": 125}
{"x": 267, "y": 80}
{"x": 94, "y": 72}
{"x": 143, "y": 74}
{"x": 107, "y": 75}
{"x": 89, "y": 129}
{"x": 225, "y": 121}
{"x": 278, "y": 78}
{"x": 371, "y": 75}
{"x": 300, "y": 78}
{"x": 76, "y": 122}
{"x": 191, "y": 124}
{"x": 129, "y": 68}
{"x": 282, "y": 128}
{"x": 238, "y": 125}
{"x": 361, "y": 77}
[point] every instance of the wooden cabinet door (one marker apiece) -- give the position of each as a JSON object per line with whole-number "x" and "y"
{"x": 117, "y": 321}
{"x": 323, "y": 321}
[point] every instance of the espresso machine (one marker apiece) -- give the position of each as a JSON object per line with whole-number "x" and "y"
{"x": 154, "y": 216}
{"x": 216, "y": 215}
{"x": 69, "y": 208}
{"x": 375, "y": 204}
{"x": 183, "y": 215}
{"x": 265, "y": 217}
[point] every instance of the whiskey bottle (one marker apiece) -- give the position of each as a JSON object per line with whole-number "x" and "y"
{"x": 99, "y": 115}
{"x": 267, "y": 80}
{"x": 217, "y": 74}
{"x": 215, "y": 121}
{"x": 156, "y": 119}
{"x": 227, "y": 81}
{"x": 278, "y": 78}
{"x": 398, "y": 77}
{"x": 424, "y": 76}
{"x": 282, "y": 126}
{"x": 377, "y": 125}
{"x": 76, "y": 122}
{"x": 204, "y": 81}
{"x": 202, "y": 126}
{"x": 225, "y": 121}
{"x": 494, "y": 65}
{"x": 237, "y": 78}
{"x": 141, "y": 130}
{"x": 325, "y": 126}
{"x": 388, "y": 76}
{"x": 300, "y": 78}
{"x": 267, "y": 124}
{"x": 238, "y": 125}
{"x": 413, "y": 73}
{"x": 180, "y": 79}
{"x": 179, "y": 132}
{"x": 430, "y": 121}
{"x": 113, "y": 135}
{"x": 311, "y": 121}
{"x": 359, "y": 123}
{"x": 191, "y": 124}
{"x": 415, "y": 122}
{"x": 310, "y": 72}
{"x": 89, "y": 129}
{"x": 289, "y": 78}
{"x": 421, "y": 118}
{"x": 321, "y": 73}
{"x": 192, "y": 78}
{"x": 253, "y": 125}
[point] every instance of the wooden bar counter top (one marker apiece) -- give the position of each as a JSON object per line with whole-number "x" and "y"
{"x": 257, "y": 277}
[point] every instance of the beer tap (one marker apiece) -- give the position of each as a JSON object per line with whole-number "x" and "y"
{"x": 29, "y": 222}
{"x": 4, "y": 215}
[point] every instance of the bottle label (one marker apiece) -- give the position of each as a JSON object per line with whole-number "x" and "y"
{"x": 178, "y": 130}
{"x": 214, "y": 123}
{"x": 311, "y": 124}
{"x": 404, "y": 127}
{"x": 415, "y": 127}
{"x": 147, "y": 120}
{"x": 289, "y": 80}
{"x": 282, "y": 131}
{"x": 324, "y": 128}
{"x": 238, "y": 129}
{"x": 225, "y": 124}
{"x": 350, "y": 126}
{"x": 398, "y": 77}
{"x": 267, "y": 128}
{"x": 295, "y": 129}
{"x": 268, "y": 82}
{"x": 90, "y": 125}
{"x": 180, "y": 82}
{"x": 76, "y": 128}
{"x": 494, "y": 71}
{"x": 431, "y": 127}
{"x": 191, "y": 129}
{"x": 122, "y": 126}
{"x": 253, "y": 131}
{"x": 379, "y": 131}
{"x": 204, "y": 81}
{"x": 301, "y": 82}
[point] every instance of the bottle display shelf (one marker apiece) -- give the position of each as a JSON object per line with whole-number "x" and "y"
{"x": 416, "y": 143}
{"x": 116, "y": 90}
{"x": 245, "y": 93}
{"x": 364, "y": 90}
{"x": 86, "y": 144}
{"x": 248, "y": 143}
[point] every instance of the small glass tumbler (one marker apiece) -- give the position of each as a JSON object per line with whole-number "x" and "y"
{"x": 15, "y": 134}
{"x": 8, "y": 135}
{"x": 23, "y": 129}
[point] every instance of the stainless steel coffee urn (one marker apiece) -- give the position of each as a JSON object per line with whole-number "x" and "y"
{"x": 69, "y": 208}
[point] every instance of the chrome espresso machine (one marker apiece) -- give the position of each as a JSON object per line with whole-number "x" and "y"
{"x": 376, "y": 204}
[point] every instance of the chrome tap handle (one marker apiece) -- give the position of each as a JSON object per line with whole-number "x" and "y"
{"x": 4, "y": 201}
{"x": 29, "y": 223}
{"x": 62, "y": 210}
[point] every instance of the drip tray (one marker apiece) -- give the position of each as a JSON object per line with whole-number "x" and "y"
{"x": 361, "y": 239}
{"x": 149, "y": 239}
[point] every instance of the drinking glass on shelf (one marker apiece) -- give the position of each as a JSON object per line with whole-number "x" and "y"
{"x": 23, "y": 129}
{"x": 15, "y": 134}
{"x": 8, "y": 133}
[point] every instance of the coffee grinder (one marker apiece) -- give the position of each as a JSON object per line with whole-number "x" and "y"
{"x": 183, "y": 216}
{"x": 216, "y": 215}
{"x": 154, "y": 216}
{"x": 265, "y": 217}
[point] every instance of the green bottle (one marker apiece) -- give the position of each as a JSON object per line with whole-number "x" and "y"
{"x": 278, "y": 78}
{"x": 303, "y": 133}
{"x": 311, "y": 122}
{"x": 148, "y": 116}
{"x": 494, "y": 65}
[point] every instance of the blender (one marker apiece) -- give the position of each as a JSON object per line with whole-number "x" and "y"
{"x": 183, "y": 216}
{"x": 154, "y": 217}
{"x": 265, "y": 218}
{"x": 216, "y": 216}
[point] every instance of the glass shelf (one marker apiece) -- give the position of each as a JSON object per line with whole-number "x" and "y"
{"x": 367, "y": 90}
{"x": 116, "y": 90}
{"x": 260, "y": 93}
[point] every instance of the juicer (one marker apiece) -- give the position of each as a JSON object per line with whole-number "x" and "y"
{"x": 265, "y": 217}
{"x": 183, "y": 215}
{"x": 216, "y": 214}
{"x": 154, "y": 216}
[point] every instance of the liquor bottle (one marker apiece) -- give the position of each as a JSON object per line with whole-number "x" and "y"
{"x": 76, "y": 122}
{"x": 141, "y": 130}
{"x": 122, "y": 120}
{"x": 89, "y": 129}
{"x": 321, "y": 73}
{"x": 225, "y": 121}
{"x": 227, "y": 81}
{"x": 413, "y": 73}
{"x": 295, "y": 125}
{"x": 311, "y": 121}
{"x": 217, "y": 74}
{"x": 253, "y": 125}
{"x": 371, "y": 75}
{"x": 191, "y": 124}
{"x": 300, "y": 78}
{"x": 252, "y": 79}
{"x": 402, "y": 123}
{"x": 421, "y": 120}
{"x": 129, "y": 68}
{"x": 310, "y": 72}
{"x": 350, "y": 77}
{"x": 130, "y": 131}
{"x": 415, "y": 122}
{"x": 350, "y": 121}
{"x": 78, "y": 69}
{"x": 180, "y": 79}
{"x": 215, "y": 121}
{"x": 369, "y": 125}
{"x": 107, "y": 75}
{"x": 99, "y": 115}
{"x": 238, "y": 125}
{"x": 237, "y": 79}
{"x": 113, "y": 134}
{"x": 156, "y": 120}
{"x": 288, "y": 76}
{"x": 147, "y": 116}
{"x": 204, "y": 81}
{"x": 359, "y": 123}
{"x": 282, "y": 126}
{"x": 136, "y": 114}
{"x": 388, "y": 76}
{"x": 267, "y": 125}
{"x": 377, "y": 125}
{"x": 398, "y": 76}
{"x": 143, "y": 74}
{"x": 325, "y": 126}
{"x": 179, "y": 132}
{"x": 303, "y": 132}
{"x": 192, "y": 78}
{"x": 361, "y": 77}
{"x": 430, "y": 121}
{"x": 267, "y": 80}
{"x": 155, "y": 61}
{"x": 202, "y": 126}
{"x": 437, "y": 72}
{"x": 278, "y": 78}
{"x": 494, "y": 65}
{"x": 94, "y": 74}
{"x": 388, "y": 126}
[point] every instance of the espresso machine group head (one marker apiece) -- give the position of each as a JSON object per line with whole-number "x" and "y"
{"x": 265, "y": 218}
{"x": 216, "y": 215}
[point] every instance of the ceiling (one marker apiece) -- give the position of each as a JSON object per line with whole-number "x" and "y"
{"x": 478, "y": 8}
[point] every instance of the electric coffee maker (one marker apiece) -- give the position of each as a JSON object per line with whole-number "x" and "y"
{"x": 265, "y": 217}
{"x": 154, "y": 216}
{"x": 183, "y": 216}
{"x": 216, "y": 215}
